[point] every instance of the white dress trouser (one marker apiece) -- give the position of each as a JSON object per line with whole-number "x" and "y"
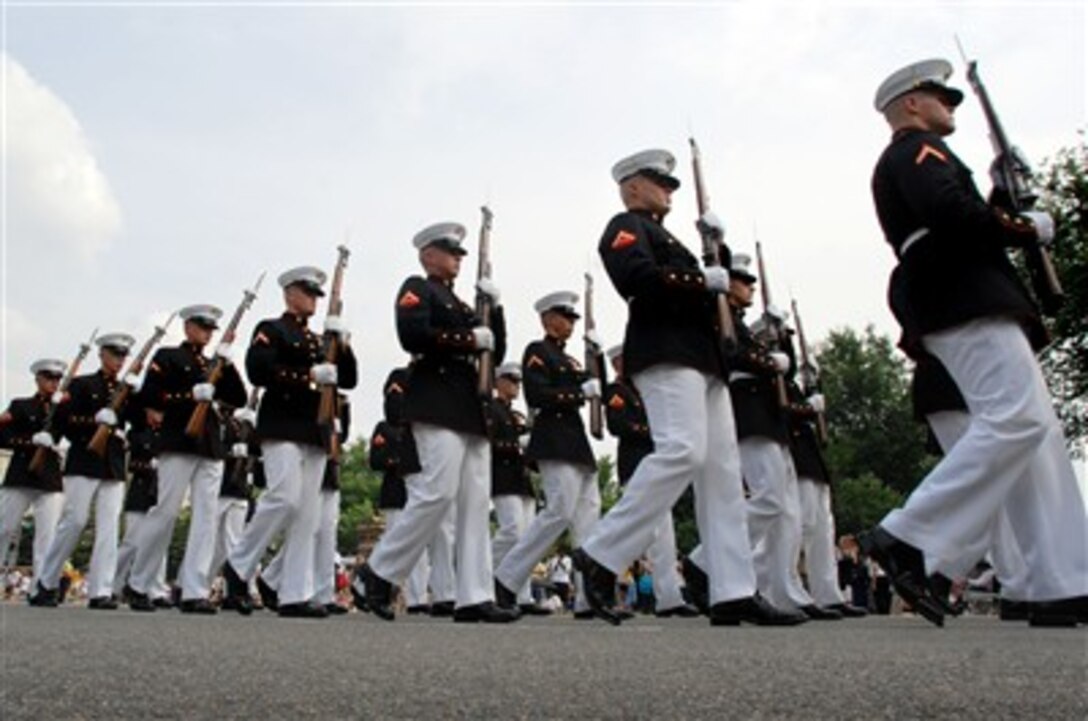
{"x": 324, "y": 552}
{"x": 515, "y": 513}
{"x": 47, "y": 509}
{"x": 456, "y": 470}
{"x": 818, "y": 542}
{"x": 180, "y": 474}
{"x": 79, "y": 492}
{"x": 1000, "y": 541}
{"x": 415, "y": 586}
{"x": 774, "y": 520}
{"x": 571, "y": 500}
{"x": 230, "y": 524}
{"x": 126, "y": 554}
{"x": 695, "y": 441}
{"x": 294, "y": 472}
{"x": 1012, "y": 456}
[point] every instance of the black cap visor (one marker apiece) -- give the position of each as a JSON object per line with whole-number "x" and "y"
{"x": 950, "y": 96}
{"x": 309, "y": 288}
{"x": 449, "y": 246}
{"x": 660, "y": 179}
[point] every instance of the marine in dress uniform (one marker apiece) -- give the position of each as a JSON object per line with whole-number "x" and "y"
{"x": 774, "y": 503}
{"x": 958, "y": 297}
{"x": 140, "y": 497}
{"x": 22, "y": 431}
{"x": 626, "y": 416}
{"x": 512, "y": 492}
{"x": 448, "y": 425}
{"x": 176, "y": 381}
{"x": 285, "y": 359}
{"x": 393, "y": 454}
{"x": 673, "y": 355}
{"x": 556, "y": 388}
{"x": 90, "y": 478}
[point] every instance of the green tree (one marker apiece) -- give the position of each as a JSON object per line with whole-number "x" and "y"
{"x": 1063, "y": 193}
{"x": 861, "y": 502}
{"x": 871, "y": 429}
{"x": 360, "y": 489}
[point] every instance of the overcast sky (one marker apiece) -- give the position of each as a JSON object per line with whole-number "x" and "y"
{"x": 160, "y": 156}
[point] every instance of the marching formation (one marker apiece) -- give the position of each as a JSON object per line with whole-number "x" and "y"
{"x": 701, "y": 395}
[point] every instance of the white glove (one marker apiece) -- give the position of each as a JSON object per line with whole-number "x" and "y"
{"x": 335, "y": 324}
{"x": 591, "y": 388}
{"x": 485, "y": 339}
{"x": 42, "y": 439}
{"x": 716, "y": 278}
{"x": 781, "y": 361}
{"x": 57, "y": 398}
{"x": 246, "y": 415}
{"x": 816, "y": 400}
{"x": 106, "y": 417}
{"x": 223, "y": 350}
{"x": 336, "y": 427}
{"x": 133, "y": 381}
{"x": 523, "y": 441}
{"x": 593, "y": 338}
{"x": 239, "y": 450}
{"x": 1044, "y": 226}
{"x": 324, "y": 374}
{"x": 710, "y": 225}
{"x": 488, "y": 288}
{"x": 203, "y": 392}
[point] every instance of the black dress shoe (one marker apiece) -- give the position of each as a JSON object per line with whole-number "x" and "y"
{"x": 237, "y": 591}
{"x": 684, "y": 610}
{"x": 586, "y": 615}
{"x": 335, "y": 609}
{"x": 906, "y": 570}
{"x": 698, "y": 584}
{"x": 754, "y": 609}
{"x": 270, "y": 599}
{"x": 43, "y": 597}
{"x": 598, "y": 585}
{"x": 377, "y": 596}
{"x": 102, "y": 603}
{"x": 302, "y": 610}
{"x": 139, "y": 601}
{"x": 421, "y": 609}
{"x": 198, "y": 605}
{"x": 816, "y": 613}
{"x": 849, "y": 611}
{"x": 531, "y": 609}
{"x": 443, "y": 609}
{"x": 504, "y": 597}
{"x": 358, "y": 590}
{"x": 1009, "y": 610}
{"x": 486, "y": 612}
{"x": 1062, "y": 613}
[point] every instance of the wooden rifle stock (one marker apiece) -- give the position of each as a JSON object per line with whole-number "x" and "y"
{"x": 120, "y": 394}
{"x": 195, "y": 427}
{"x": 486, "y": 359}
{"x": 37, "y": 461}
{"x": 773, "y": 326}
{"x": 808, "y": 367}
{"x": 1012, "y": 176}
{"x": 711, "y": 252}
{"x": 326, "y": 410}
{"x": 594, "y": 365}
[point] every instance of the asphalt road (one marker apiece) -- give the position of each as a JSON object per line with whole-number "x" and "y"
{"x": 72, "y": 663}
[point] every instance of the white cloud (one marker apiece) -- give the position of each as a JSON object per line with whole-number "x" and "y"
{"x": 58, "y": 197}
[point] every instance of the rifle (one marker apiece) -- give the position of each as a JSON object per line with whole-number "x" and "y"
{"x": 809, "y": 378}
{"x": 326, "y": 410}
{"x": 120, "y": 394}
{"x": 483, "y": 307}
{"x": 195, "y": 426}
{"x": 245, "y": 431}
{"x": 1012, "y": 175}
{"x": 711, "y": 252}
{"x": 772, "y": 324}
{"x": 38, "y": 459}
{"x": 594, "y": 364}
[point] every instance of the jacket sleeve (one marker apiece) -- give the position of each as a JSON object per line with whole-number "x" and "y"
{"x": 382, "y": 457}
{"x": 628, "y": 255}
{"x": 263, "y": 363}
{"x": 153, "y": 392}
{"x": 347, "y": 369}
{"x": 230, "y": 389}
{"x": 415, "y": 329}
{"x": 539, "y": 380}
{"x": 624, "y": 420}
